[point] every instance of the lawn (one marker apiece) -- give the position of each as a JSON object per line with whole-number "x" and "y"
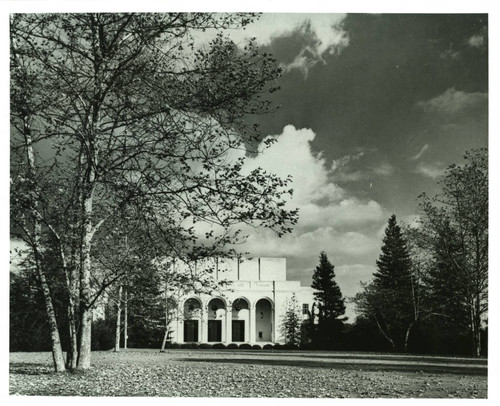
{"x": 225, "y": 373}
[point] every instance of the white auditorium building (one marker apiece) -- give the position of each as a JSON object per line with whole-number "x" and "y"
{"x": 247, "y": 307}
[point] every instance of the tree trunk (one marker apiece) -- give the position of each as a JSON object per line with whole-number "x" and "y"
{"x": 387, "y": 336}
{"x": 57, "y": 353}
{"x": 407, "y": 336}
{"x": 164, "y": 342}
{"x": 72, "y": 356}
{"x": 118, "y": 320}
{"x": 165, "y": 336}
{"x": 125, "y": 319}
{"x": 85, "y": 288}
{"x": 72, "y": 316}
{"x": 477, "y": 337}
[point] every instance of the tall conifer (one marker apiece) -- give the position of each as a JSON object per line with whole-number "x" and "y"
{"x": 393, "y": 265}
{"x": 390, "y": 299}
{"x": 329, "y": 302}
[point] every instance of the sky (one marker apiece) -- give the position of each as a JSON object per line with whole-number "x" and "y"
{"x": 372, "y": 109}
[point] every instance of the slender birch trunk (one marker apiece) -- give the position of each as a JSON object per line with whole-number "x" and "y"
{"x": 477, "y": 329}
{"x": 85, "y": 289}
{"x": 36, "y": 244}
{"x": 72, "y": 361}
{"x": 57, "y": 353}
{"x": 165, "y": 336}
{"x": 118, "y": 319}
{"x": 407, "y": 336}
{"x": 125, "y": 319}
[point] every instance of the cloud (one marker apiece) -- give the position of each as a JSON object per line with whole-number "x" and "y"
{"x": 480, "y": 39}
{"x": 344, "y": 169}
{"x": 449, "y": 54}
{"x": 349, "y": 276}
{"x": 309, "y": 244}
{"x": 297, "y": 40}
{"x": 476, "y": 41}
{"x": 422, "y": 150}
{"x": 384, "y": 169}
{"x": 329, "y": 217}
{"x": 431, "y": 170}
{"x": 311, "y": 37}
{"x": 453, "y": 101}
{"x": 291, "y": 154}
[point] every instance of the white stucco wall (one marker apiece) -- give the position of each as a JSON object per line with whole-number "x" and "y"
{"x": 251, "y": 280}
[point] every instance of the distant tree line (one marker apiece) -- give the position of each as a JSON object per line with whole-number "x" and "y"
{"x": 429, "y": 293}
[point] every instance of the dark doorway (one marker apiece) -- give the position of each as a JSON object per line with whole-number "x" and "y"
{"x": 190, "y": 331}
{"x": 238, "y": 330}
{"x": 214, "y": 330}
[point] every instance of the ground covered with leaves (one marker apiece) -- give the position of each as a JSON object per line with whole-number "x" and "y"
{"x": 225, "y": 373}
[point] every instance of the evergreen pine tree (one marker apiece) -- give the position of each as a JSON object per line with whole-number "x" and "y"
{"x": 389, "y": 298}
{"x": 393, "y": 265}
{"x": 329, "y": 302}
{"x": 291, "y": 329}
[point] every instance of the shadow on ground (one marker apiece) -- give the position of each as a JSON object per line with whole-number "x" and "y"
{"x": 365, "y": 366}
{"x": 30, "y": 368}
{"x": 383, "y": 358}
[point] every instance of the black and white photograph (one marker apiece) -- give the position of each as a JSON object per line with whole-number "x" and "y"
{"x": 246, "y": 204}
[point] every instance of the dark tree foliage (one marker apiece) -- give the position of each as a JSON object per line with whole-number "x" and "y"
{"x": 27, "y": 322}
{"x": 145, "y": 308}
{"x": 454, "y": 228}
{"x": 29, "y": 330}
{"x": 389, "y": 300}
{"x": 364, "y": 335}
{"x": 329, "y": 303}
{"x": 393, "y": 265}
{"x": 291, "y": 327}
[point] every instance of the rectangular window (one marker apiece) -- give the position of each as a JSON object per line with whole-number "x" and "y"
{"x": 305, "y": 308}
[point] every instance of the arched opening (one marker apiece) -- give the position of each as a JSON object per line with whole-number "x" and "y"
{"x": 263, "y": 320}
{"x": 192, "y": 318}
{"x": 216, "y": 320}
{"x": 240, "y": 318}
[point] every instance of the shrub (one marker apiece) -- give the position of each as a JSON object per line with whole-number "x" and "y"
{"x": 278, "y": 346}
{"x": 256, "y": 347}
{"x": 219, "y": 346}
{"x": 174, "y": 346}
{"x": 307, "y": 346}
{"x": 290, "y": 347}
{"x": 189, "y": 346}
{"x": 245, "y": 346}
{"x": 268, "y": 347}
{"x": 232, "y": 346}
{"x": 205, "y": 346}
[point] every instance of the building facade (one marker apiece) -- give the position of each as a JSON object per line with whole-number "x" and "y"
{"x": 248, "y": 305}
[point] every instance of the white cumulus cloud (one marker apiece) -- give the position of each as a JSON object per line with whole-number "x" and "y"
{"x": 330, "y": 219}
